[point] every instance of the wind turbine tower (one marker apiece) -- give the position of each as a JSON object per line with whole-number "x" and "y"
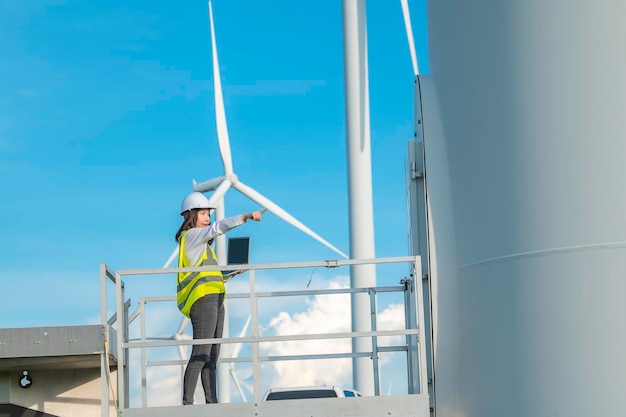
{"x": 359, "y": 182}
{"x": 524, "y": 116}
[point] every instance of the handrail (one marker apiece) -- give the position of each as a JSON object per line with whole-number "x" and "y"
{"x": 329, "y": 263}
{"x": 277, "y": 338}
{"x": 412, "y": 299}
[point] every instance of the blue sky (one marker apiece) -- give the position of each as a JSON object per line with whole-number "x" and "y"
{"x": 106, "y": 115}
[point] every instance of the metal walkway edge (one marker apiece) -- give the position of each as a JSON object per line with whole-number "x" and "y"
{"x": 412, "y": 405}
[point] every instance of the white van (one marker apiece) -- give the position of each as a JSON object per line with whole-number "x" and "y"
{"x": 322, "y": 391}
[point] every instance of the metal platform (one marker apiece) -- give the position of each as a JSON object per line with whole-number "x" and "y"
{"x": 414, "y": 405}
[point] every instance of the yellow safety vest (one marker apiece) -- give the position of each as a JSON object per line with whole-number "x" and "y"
{"x": 194, "y": 285}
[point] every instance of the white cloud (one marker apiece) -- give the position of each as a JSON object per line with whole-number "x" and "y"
{"x": 165, "y": 386}
{"x": 324, "y": 314}
{"x": 163, "y": 383}
{"x": 392, "y": 318}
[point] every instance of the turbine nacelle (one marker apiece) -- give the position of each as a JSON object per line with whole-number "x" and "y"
{"x": 208, "y": 185}
{"x": 212, "y": 184}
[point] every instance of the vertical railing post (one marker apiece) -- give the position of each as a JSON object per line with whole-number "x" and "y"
{"x": 373, "y": 313}
{"x": 126, "y": 352}
{"x": 144, "y": 376}
{"x": 422, "y": 336}
{"x": 410, "y": 312}
{"x": 121, "y": 338}
{"x": 254, "y": 318}
{"x": 104, "y": 371}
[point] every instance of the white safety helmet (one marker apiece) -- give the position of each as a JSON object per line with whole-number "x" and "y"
{"x": 194, "y": 200}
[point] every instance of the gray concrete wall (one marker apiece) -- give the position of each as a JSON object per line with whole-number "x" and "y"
{"x": 4, "y": 388}
{"x": 65, "y": 393}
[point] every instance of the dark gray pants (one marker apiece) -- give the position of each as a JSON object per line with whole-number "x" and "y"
{"x": 207, "y": 319}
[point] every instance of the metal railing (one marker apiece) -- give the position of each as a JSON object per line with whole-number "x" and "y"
{"x": 411, "y": 288}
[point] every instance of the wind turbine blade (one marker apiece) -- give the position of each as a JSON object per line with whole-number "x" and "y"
{"x": 236, "y": 381}
{"x": 237, "y": 347}
{"x": 409, "y": 34}
{"x": 218, "y": 194}
{"x": 274, "y": 208}
{"x": 171, "y": 258}
{"x": 209, "y": 185}
{"x": 243, "y": 331}
{"x": 182, "y": 350}
{"x": 181, "y": 329}
{"x": 220, "y": 114}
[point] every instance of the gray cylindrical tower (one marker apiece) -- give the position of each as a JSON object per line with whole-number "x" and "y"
{"x": 525, "y": 121}
{"x": 359, "y": 183}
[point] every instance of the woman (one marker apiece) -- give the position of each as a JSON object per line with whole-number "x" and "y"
{"x": 200, "y": 295}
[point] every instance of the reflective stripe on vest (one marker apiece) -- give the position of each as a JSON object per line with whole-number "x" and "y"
{"x": 195, "y": 285}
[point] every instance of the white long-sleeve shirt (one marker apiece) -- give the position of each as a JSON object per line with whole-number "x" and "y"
{"x": 197, "y": 238}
